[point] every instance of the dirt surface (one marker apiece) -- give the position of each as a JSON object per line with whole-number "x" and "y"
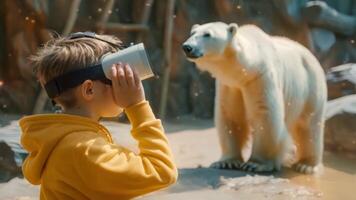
{"x": 195, "y": 145}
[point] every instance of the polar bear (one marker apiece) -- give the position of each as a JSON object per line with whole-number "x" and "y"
{"x": 270, "y": 97}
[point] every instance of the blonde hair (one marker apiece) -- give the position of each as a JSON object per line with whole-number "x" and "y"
{"x": 62, "y": 54}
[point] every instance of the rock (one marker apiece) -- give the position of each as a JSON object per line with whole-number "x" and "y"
{"x": 178, "y": 100}
{"x": 340, "y": 127}
{"x": 323, "y": 39}
{"x": 341, "y": 80}
{"x": 342, "y": 52}
{"x": 319, "y": 13}
{"x": 8, "y": 166}
{"x": 202, "y": 95}
{"x": 11, "y": 152}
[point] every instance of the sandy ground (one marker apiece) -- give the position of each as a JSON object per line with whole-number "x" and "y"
{"x": 195, "y": 146}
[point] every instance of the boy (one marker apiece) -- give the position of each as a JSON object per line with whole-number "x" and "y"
{"x": 71, "y": 155}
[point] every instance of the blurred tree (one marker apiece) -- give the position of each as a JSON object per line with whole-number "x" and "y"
{"x": 21, "y": 40}
{"x": 3, "y": 49}
{"x": 190, "y": 90}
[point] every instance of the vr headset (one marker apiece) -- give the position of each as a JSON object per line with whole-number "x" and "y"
{"x": 134, "y": 55}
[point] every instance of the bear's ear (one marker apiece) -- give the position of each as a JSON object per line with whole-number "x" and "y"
{"x": 195, "y": 26}
{"x": 232, "y": 28}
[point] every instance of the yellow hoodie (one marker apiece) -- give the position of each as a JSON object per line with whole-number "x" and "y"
{"x": 74, "y": 157}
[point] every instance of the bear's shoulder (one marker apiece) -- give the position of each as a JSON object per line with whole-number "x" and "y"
{"x": 252, "y": 32}
{"x": 250, "y": 28}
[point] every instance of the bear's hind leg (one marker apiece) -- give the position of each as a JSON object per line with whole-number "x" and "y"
{"x": 309, "y": 136}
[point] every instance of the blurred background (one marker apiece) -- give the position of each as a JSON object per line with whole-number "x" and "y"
{"x": 326, "y": 27}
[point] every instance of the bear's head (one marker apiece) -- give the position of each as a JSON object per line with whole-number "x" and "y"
{"x": 209, "y": 40}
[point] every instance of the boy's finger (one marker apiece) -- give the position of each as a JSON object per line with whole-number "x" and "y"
{"x": 136, "y": 77}
{"x": 121, "y": 75}
{"x": 129, "y": 75}
{"x": 115, "y": 80}
{"x": 113, "y": 71}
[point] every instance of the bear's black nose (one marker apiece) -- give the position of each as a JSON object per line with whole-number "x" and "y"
{"x": 187, "y": 48}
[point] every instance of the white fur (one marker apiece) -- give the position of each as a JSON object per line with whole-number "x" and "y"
{"x": 273, "y": 88}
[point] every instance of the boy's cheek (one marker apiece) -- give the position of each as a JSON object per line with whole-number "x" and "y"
{"x": 105, "y": 102}
{"x": 110, "y": 106}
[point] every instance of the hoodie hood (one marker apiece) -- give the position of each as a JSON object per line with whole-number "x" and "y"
{"x": 41, "y": 134}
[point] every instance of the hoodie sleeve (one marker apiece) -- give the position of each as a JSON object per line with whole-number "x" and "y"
{"x": 112, "y": 170}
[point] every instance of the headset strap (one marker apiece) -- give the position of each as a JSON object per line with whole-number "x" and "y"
{"x": 74, "y": 78}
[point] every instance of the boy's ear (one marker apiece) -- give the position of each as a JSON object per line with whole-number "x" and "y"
{"x": 87, "y": 89}
{"x": 232, "y": 28}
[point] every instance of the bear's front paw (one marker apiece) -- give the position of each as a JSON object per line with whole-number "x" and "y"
{"x": 251, "y": 166}
{"x": 230, "y": 163}
{"x": 308, "y": 169}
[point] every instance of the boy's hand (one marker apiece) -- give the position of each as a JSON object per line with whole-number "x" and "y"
{"x": 127, "y": 86}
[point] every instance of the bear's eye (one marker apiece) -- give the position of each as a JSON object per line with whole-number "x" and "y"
{"x": 206, "y": 35}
